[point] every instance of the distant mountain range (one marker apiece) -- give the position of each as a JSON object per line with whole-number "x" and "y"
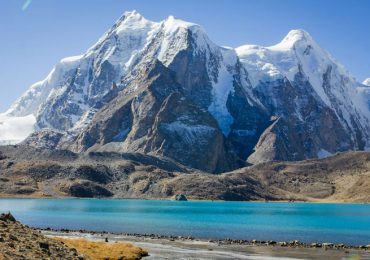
{"x": 164, "y": 89}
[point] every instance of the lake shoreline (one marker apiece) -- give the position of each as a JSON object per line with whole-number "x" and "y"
{"x": 160, "y": 246}
{"x": 2, "y": 196}
{"x": 226, "y": 241}
{"x": 337, "y": 226}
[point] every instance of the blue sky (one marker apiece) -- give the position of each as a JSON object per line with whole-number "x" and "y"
{"x": 34, "y": 36}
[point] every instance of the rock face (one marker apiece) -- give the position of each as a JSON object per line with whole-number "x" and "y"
{"x": 44, "y": 138}
{"x": 166, "y": 90}
{"x": 158, "y": 118}
{"x": 86, "y": 189}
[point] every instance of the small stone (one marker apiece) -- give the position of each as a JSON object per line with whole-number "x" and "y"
{"x": 327, "y": 244}
{"x": 73, "y": 252}
{"x": 12, "y": 237}
{"x": 283, "y": 243}
{"x": 44, "y": 245}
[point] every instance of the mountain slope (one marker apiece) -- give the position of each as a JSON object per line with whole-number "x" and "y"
{"x": 165, "y": 89}
{"x": 30, "y": 172}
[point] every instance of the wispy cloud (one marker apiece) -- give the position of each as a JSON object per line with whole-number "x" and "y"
{"x": 26, "y": 5}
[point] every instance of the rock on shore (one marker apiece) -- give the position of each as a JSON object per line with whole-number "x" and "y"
{"x": 180, "y": 197}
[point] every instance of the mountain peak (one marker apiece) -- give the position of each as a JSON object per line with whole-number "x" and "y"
{"x": 131, "y": 19}
{"x": 294, "y": 38}
{"x": 173, "y": 27}
{"x": 366, "y": 82}
{"x": 173, "y": 23}
{"x": 131, "y": 15}
{"x": 297, "y": 35}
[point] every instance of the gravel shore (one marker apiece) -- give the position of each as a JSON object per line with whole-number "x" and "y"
{"x": 170, "y": 247}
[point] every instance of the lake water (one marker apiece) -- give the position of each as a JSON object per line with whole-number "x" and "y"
{"x": 308, "y": 222}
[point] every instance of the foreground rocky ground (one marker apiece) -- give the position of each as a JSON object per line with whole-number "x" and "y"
{"x": 31, "y": 172}
{"x": 18, "y": 241}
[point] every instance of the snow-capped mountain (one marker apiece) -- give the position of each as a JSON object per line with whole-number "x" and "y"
{"x": 312, "y": 95}
{"x": 164, "y": 88}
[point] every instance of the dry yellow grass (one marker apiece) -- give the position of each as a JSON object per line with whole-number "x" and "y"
{"x": 105, "y": 251}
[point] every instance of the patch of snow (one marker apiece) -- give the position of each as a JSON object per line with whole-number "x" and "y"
{"x": 72, "y": 59}
{"x": 189, "y": 133}
{"x": 323, "y": 154}
{"x": 121, "y": 135}
{"x": 220, "y": 93}
{"x": 84, "y": 120}
{"x": 241, "y": 132}
{"x": 15, "y": 129}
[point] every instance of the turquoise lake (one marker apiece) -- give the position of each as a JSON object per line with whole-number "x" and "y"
{"x": 308, "y": 222}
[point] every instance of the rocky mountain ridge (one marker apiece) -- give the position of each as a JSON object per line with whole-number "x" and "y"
{"x": 32, "y": 172}
{"x": 166, "y": 90}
